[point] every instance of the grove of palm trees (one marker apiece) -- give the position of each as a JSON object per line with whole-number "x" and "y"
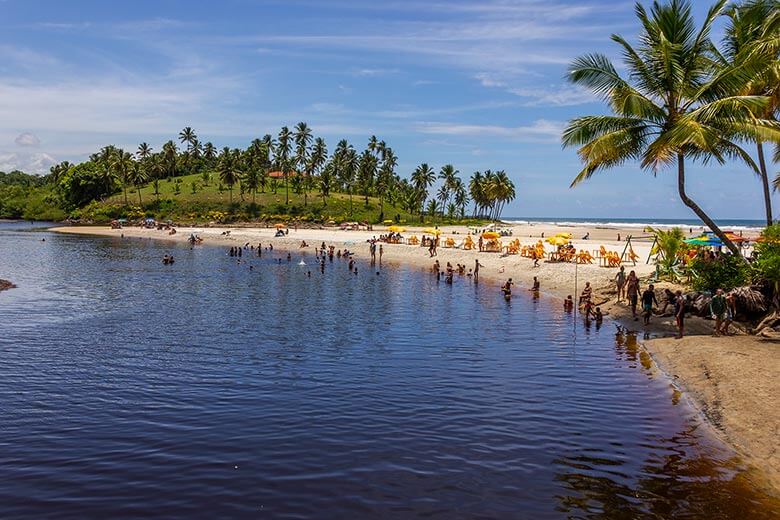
{"x": 292, "y": 174}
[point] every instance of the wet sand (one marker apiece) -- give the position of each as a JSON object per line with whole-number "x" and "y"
{"x": 732, "y": 381}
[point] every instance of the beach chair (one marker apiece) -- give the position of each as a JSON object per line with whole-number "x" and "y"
{"x": 469, "y": 243}
{"x": 449, "y": 242}
{"x": 413, "y": 240}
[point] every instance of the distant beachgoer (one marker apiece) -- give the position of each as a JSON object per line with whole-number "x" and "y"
{"x": 587, "y": 236}
{"x": 568, "y": 304}
{"x": 480, "y": 243}
{"x": 618, "y": 237}
{"x": 718, "y": 310}
{"x": 620, "y": 280}
{"x": 632, "y": 292}
{"x": 436, "y": 267}
{"x": 289, "y": 257}
{"x": 679, "y": 313}
{"x": 598, "y": 316}
{"x": 648, "y": 299}
{"x": 381, "y": 252}
{"x": 477, "y": 265}
{"x": 536, "y": 285}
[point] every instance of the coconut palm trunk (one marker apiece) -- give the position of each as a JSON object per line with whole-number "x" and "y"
{"x": 764, "y": 182}
{"x": 696, "y": 209}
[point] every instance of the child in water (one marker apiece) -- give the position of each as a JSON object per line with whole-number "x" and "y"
{"x": 507, "y": 289}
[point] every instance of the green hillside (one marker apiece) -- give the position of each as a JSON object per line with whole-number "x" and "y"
{"x": 192, "y": 199}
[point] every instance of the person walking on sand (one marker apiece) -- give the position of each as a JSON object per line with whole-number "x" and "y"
{"x": 632, "y": 292}
{"x": 679, "y": 313}
{"x": 718, "y": 310}
{"x": 648, "y": 299}
{"x": 480, "y": 243}
{"x": 620, "y": 281}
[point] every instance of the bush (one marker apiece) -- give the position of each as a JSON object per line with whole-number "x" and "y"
{"x": 767, "y": 264}
{"x": 725, "y": 272}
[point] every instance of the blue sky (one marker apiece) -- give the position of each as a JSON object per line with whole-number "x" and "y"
{"x": 478, "y": 84}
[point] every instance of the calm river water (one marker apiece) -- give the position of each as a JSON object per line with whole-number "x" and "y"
{"x": 129, "y": 389}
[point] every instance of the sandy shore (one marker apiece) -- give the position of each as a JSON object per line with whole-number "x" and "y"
{"x": 732, "y": 381}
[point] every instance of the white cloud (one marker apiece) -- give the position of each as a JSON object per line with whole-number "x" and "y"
{"x": 27, "y": 162}
{"x": 540, "y": 131}
{"x": 27, "y": 139}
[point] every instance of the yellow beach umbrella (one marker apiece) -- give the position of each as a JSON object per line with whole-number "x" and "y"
{"x": 432, "y": 231}
{"x": 490, "y": 235}
{"x": 387, "y": 222}
{"x": 396, "y": 229}
{"x": 567, "y": 236}
{"x": 280, "y": 226}
{"x": 557, "y": 240}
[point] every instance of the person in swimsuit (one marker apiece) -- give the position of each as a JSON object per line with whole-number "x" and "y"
{"x": 648, "y": 299}
{"x": 632, "y": 292}
{"x": 507, "y": 289}
{"x": 679, "y": 313}
{"x": 620, "y": 280}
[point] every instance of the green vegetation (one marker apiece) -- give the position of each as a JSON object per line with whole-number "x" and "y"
{"x": 669, "y": 244}
{"x": 200, "y": 184}
{"x": 726, "y": 272}
{"x": 28, "y": 197}
{"x": 683, "y": 99}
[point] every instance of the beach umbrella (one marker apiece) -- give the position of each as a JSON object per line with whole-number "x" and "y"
{"x": 704, "y": 240}
{"x": 557, "y": 240}
{"x": 490, "y": 235}
{"x": 280, "y": 226}
{"x": 387, "y": 222}
{"x": 432, "y": 231}
{"x": 396, "y": 229}
{"x": 566, "y": 236}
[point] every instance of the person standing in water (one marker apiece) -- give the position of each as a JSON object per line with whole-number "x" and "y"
{"x": 477, "y": 265}
{"x": 507, "y": 289}
{"x": 632, "y": 292}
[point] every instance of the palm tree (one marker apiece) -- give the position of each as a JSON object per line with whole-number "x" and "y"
{"x": 123, "y": 166}
{"x": 283, "y": 149}
{"x": 58, "y": 171}
{"x": 319, "y": 154}
{"x": 228, "y": 174}
{"x": 170, "y": 158}
{"x": 252, "y": 181}
{"x": 423, "y": 178}
{"x": 187, "y": 135}
{"x": 366, "y": 173}
{"x": 209, "y": 154}
{"x": 157, "y": 170}
{"x": 673, "y": 106}
{"x": 138, "y": 178}
{"x": 461, "y": 197}
{"x": 748, "y": 25}
{"x": 144, "y": 151}
{"x": 476, "y": 185}
{"x": 303, "y": 139}
{"x": 447, "y": 174}
{"x": 385, "y": 178}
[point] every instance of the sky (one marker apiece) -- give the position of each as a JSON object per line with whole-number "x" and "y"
{"x": 478, "y": 84}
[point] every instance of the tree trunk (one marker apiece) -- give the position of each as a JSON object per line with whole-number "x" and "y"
{"x": 765, "y": 183}
{"x": 125, "y": 188}
{"x": 139, "y": 196}
{"x": 696, "y": 209}
{"x": 286, "y": 190}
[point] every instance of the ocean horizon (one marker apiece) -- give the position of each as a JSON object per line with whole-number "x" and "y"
{"x": 609, "y": 222}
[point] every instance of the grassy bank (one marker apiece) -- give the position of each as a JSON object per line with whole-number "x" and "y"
{"x": 192, "y": 199}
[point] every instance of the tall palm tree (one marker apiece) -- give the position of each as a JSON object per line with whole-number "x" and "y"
{"x": 423, "y": 178}
{"x": 319, "y": 154}
{"x": 226, "y": 167}
{"x": 673, "y": 106}
{"x": 461, "y": 197}
{"x": 187, "y": 135}
{"x": 138, "y": 178}
{"x": 447, "y": 175}
{"x": 209, "y": 154}
{"x": 385, "y": 178}
{"x": 366, "y": 173}
{"x": 303, "y": 139}
{"x": 749, "y": 23}
{"x": 123, "y": 166}
{"x": 283, "y": 149}
{"x": 170, "y": 158}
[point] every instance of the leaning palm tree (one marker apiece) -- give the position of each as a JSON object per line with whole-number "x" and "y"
{"x": 751, "y": 24}
{"x": 674, "y": 106}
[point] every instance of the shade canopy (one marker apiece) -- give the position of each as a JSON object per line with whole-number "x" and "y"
{"x": 557, "y": 240}
{"x": 432, "y": 231}
{"x": 490, "y": 235}
{"x": 396, "y": 229}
